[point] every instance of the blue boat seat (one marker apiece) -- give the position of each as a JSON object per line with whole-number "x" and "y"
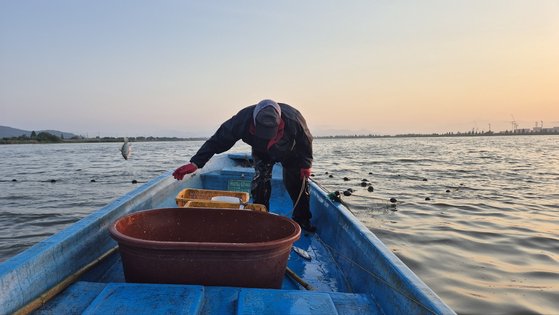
{"x": 255, "y": 302}
{"x": 134, "y": 298}
{"x": 153, "y": 299}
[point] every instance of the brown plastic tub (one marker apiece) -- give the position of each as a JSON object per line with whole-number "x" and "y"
{"x": 205, "y": 246}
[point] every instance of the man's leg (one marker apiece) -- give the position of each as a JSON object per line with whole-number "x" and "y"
{"x": 293, "y": 183}
{"x": 261, "y": 187}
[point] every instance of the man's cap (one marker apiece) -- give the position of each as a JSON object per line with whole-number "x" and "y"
{"x": 267, "y": 117}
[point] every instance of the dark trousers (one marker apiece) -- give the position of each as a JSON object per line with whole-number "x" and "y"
{"x": 261, "y": 187}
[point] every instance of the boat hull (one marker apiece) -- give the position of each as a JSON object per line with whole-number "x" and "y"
{"x": 350, "y": 272}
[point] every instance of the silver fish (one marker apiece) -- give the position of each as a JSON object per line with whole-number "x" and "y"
{"x": 126, "y": 149}
{"x": 301, "y": 252}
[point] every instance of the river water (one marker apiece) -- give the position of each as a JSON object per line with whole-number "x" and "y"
{"x": 477, "y": 219}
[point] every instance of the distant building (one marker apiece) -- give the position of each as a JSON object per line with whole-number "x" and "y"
{"x": 550, "y": 130}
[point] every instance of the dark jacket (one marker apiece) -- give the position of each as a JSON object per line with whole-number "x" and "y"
{"x": 294, "y": 148}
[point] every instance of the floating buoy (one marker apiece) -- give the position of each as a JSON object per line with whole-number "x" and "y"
{"x": 448, "y": 190}
{"x": 364, "y": 180}
{"x": 331, "y": 176}
{"x": 93, "y": 181}
{"x": 425, "y": 179}
{"x": 14, "y": 180}
{"x": 427, "y": 198}
{"x": 134, "y": 181}
{"x": 347, "y": 193}
{"x": 326, "y": 173}
{"x": 393, "y": 200}
{"x": 335, "y": 196}
{"x": 370, "y": 173}
{"x": 370, "y": 189}
{"x": 363, "y": 184}
{"x": 53, "y": 180}
{"x": 346, "y": 179}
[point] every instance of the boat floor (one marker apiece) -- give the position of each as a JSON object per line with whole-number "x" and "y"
{"x": 103, "y": 290}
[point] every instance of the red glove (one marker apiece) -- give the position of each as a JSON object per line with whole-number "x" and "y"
{"x": 179, "y": 173}
{"x": 305, "y": 173}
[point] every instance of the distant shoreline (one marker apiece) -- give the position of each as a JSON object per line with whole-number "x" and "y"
{"x": 55, "y": 139}
{"x": 446, "y": 135}
{"x": 20, "y": 140}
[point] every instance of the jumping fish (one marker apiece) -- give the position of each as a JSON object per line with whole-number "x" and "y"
{"x": 126, "y": 149}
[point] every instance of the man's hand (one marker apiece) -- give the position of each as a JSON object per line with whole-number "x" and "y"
{"x": 179, "y": 173}
{"x": 305, "y": 173}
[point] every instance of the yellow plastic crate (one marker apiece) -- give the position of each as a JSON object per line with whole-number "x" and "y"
{"x": 224, "y": 205}
{"x": 189, "y": 194}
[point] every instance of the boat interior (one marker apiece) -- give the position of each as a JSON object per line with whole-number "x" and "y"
{"x": 104, "y": 287}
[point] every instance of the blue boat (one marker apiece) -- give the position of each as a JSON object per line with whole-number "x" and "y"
{"x": 350, "y": 271}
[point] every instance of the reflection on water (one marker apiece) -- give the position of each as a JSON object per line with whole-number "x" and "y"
{"x": 485, "y": 240}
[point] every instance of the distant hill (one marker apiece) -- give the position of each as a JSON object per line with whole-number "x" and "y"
{"x": 9, "y": 132}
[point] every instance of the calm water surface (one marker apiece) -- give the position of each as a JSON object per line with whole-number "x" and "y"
{"x": 486, "y": 241}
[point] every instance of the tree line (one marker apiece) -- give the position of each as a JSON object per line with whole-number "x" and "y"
{"x": 45, "y": 137}
{"x": 41, "y": 137}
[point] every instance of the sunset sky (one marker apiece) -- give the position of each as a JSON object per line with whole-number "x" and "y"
{"x": 180, "y": 68}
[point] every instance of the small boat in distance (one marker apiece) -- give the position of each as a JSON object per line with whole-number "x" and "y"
{"x": 343, "y": 268}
